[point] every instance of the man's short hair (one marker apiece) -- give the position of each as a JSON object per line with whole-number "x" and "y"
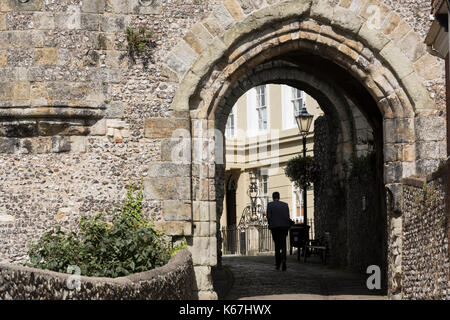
{"x": 276, "y": 195}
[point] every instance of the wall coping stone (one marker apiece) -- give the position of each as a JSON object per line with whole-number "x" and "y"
{"x": 419, "y": 181}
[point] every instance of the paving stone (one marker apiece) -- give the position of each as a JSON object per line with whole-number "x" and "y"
{"x": 255, "y": 278}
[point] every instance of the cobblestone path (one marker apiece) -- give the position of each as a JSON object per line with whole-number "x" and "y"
{"x": 256, "y": 278}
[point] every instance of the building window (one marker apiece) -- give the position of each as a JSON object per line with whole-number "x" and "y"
{"x": 264, "y": 189}
{"x": 292, "y": 100}
{"x": 297, "y": 204}
{"x": 298, "y": 102}
{"x": 230, "y": 130}
{"x": 261, "y": 107}
{"x": 265, "y": 185}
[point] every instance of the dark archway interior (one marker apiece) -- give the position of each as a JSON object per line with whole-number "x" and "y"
{"x": 374, "y": 242}
{"x": 356, "y": 232}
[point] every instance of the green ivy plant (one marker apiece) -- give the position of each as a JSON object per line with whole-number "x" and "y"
{"x": 140, "y": 43}
{"x": 425, "y": 196}
{"x": 127, "y": 244}
{"x": 181, "y": 246}
{"x": 363, "y": 168}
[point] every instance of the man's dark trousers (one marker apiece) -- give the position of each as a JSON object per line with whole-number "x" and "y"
{"x": 279, "y": 237}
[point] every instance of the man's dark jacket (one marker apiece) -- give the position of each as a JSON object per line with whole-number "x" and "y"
{"x": 278, "y": 215}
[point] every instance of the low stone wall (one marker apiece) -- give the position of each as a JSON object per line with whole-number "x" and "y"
{"x": 425, "y": 257}
{"x": 174, "y": 281}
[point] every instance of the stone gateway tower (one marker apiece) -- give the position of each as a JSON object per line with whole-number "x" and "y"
{"x": 81, "y": 115}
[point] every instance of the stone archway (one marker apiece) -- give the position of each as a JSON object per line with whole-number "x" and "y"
{"x": 359, "y": 37}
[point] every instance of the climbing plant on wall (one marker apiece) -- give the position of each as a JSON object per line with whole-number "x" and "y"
{"x": 363, "y": 167}
{"x": 140, "y": 44}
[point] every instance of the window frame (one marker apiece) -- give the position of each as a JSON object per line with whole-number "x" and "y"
{"x": 288, "y": 107}
{"x": 262, "y": 107}
{"x": 263, "y": 182}
{"x": 295, "y": 98}
{"x": 232, "y": 115}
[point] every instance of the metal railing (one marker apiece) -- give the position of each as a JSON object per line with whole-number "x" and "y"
{"x": 266, "y": 243}
{"x": 230, "y": 240}
{"x": 236, "y": 240}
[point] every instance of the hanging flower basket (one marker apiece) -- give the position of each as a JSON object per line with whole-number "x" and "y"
{"x": 303, "y": 171}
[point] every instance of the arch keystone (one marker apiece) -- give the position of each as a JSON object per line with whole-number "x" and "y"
{"x": 284, "y": 10}
{"x": 322, "y": 10}
{"x": 346, "y": 19}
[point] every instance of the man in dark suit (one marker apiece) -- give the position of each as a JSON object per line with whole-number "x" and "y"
{"x": 279, "y": 224}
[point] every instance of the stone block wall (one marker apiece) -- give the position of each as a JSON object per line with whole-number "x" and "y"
{"x": 174, "y": 281}
{"x": 425, "y": 237}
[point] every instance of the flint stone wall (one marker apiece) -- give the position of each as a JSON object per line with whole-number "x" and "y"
{"x": 425, "y": 257}
{"x": 76, "y": 115}
{"x": 327, "y": 206}
{"x": 174, "y": 281}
